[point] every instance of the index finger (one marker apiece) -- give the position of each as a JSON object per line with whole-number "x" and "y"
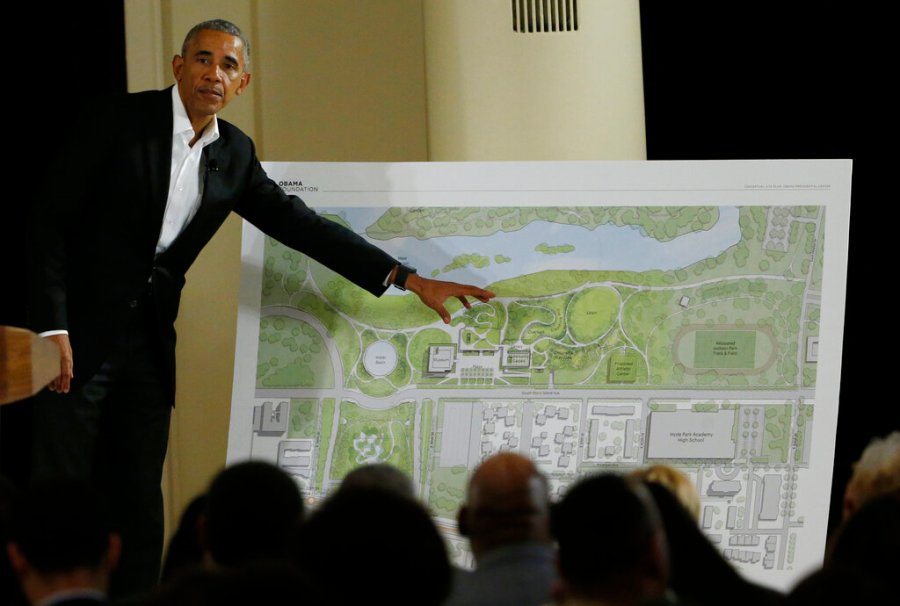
{"x": 479, "y": 293}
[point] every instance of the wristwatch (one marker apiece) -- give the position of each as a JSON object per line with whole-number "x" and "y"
{"x": 402, "y": 275}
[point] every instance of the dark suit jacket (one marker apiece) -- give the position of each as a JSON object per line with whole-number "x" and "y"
{"x": 99, "y": 213}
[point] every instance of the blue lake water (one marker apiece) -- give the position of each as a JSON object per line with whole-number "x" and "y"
{"x": 607, "y": 247}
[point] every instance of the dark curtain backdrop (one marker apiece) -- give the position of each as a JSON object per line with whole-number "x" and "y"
{"x": 62, "y": 53}
{"x": 744, "y": 80}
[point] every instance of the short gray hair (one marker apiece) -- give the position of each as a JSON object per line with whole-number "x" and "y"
{"x": 878, "y": 470}
{"x": 219, "y": 25}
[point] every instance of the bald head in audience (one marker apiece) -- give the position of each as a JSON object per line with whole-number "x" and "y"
{"x": 507, "y": 503}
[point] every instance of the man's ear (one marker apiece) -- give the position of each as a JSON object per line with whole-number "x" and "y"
{"x": 113, "y": 550}
{"x": 849, "y": 506}
{"x": 656, "y": 563}
{"x": 177, "y": 66}
{"x": 462, "y": 521}
{"x": 559, "y": 591}
{"x": 245, "y": 82}
{"x": 202, "y": 532}
{"x": 17, "y": 559}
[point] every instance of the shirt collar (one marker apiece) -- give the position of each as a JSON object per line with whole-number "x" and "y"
{"x": 181, "y": 124}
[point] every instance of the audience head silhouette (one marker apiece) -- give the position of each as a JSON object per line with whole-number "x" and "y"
{"x": 675, "y": 481}
{"x": 611, "y": 545}
{"x": 381, "y": 476}
{"x": 251, "y": 510}
{"x": 506, "y": 503}
{"x": 61, "y": 541}
{"x": 388, "y": 540}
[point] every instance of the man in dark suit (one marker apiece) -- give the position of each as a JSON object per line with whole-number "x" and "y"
{"x": 137, "y": 191}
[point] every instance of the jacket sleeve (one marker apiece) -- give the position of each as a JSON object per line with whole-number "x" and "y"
{"x": 290, "y": 221}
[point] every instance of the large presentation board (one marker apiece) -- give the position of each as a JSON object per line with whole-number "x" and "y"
{"x": 688, "y": 313}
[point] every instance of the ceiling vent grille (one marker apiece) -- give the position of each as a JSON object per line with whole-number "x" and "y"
{"x": 537, "y": 16}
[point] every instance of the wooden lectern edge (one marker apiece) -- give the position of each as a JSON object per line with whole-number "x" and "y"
{"x": 27, "y": 363}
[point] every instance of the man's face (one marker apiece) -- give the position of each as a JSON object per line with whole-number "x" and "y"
{"x": 211, "y": 73}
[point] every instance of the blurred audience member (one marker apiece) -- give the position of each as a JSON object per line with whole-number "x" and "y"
{"x": 877, "y": 472}
{"x": 612, "y": 549}
{"x": 374, "y": 546}
{"x": 10, "y": 591}
{"x": 269, "y": 582}
{"x": 379, "y": 475}
{"x": 252, "y": 508}
{"x": 863, "y": 555}
{"x": 506, "y": 519}
{"x": 870, "y": 539}
{"x": 185, "y": 550}
{"x": 678, "y": 483}
{"x": 698, "y": 573}
{"x": 838, "y": 586}
{"x": 61, "y": 546}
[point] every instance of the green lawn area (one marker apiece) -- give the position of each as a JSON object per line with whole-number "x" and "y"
{"x": 591, "y": 313}
{"x": 304, "y": 418}
{"x": 292, "y": 354}
{"x": 448, "y": 489}
{"x": 369, "y": 436}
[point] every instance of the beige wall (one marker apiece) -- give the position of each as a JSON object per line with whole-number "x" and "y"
{"x": 342, "y": 81}
{"x": 345, "y": 80}
{"x": 497, "y": 94}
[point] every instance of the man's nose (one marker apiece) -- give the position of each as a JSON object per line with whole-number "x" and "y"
{"x": 213, "y": 73}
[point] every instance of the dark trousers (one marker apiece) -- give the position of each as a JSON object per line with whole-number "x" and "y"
{"x": 113, "y": 431}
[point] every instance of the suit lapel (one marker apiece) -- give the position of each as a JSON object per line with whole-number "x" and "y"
{"x": 158, "y": 149}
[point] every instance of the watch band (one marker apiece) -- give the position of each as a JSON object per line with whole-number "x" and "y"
{"x": 403, "y": 272}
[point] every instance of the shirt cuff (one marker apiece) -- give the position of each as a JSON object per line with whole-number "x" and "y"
{"x": 51, "y": 333}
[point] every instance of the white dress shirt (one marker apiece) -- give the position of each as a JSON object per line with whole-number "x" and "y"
{"x": 185, "y": 180}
